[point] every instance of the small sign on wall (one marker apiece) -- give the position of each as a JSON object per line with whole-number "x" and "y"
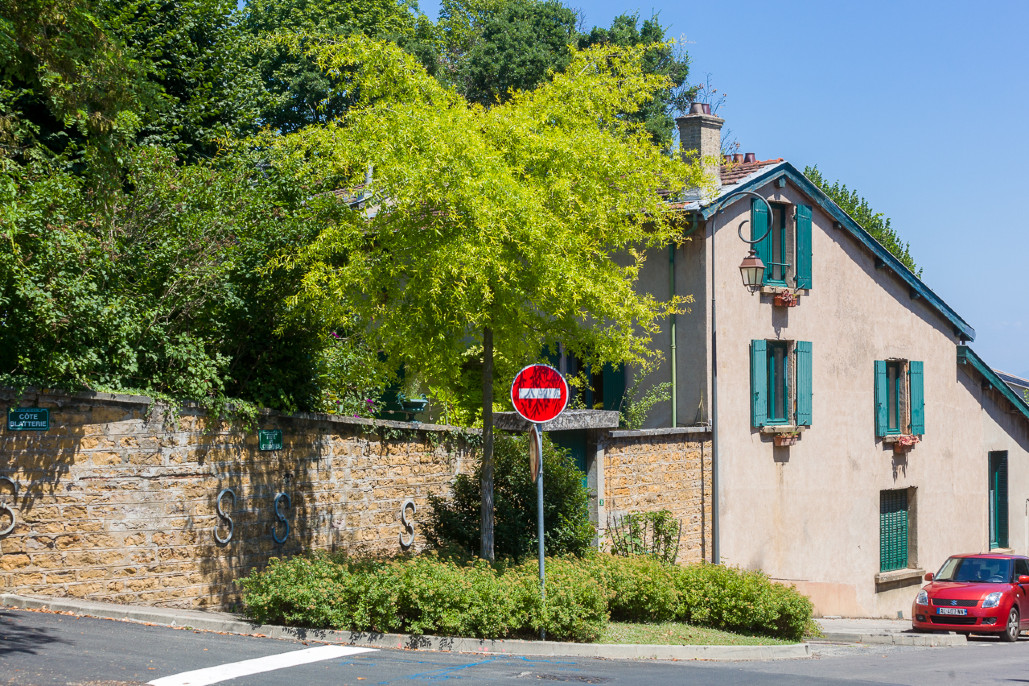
{"x": 28, "y": 419}
{"x": 269, "y": 439}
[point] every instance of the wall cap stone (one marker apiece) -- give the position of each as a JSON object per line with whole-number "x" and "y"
{"x": 669, "y": 431}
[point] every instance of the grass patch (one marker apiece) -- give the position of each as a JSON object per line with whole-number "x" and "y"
{"x": 679, "y": 634}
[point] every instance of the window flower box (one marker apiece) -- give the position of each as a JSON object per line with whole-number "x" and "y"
{"x": 786, "y": 299}
{"x": 782, "y": 440}
{"x": 902, "y": 443}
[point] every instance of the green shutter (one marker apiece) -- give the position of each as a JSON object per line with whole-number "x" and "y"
{"x": 999, "y": 499}
{"x": 614, "y": 386}
{"x": 803, "y": 271}
{"x": 759, "y": 220}
{"x": 893, "y": 530}
{"x": 882, "y": 399}
{"x": 917, "y": 398}
{"x": 803, "y": 383}
{"x": 758, "y": 383}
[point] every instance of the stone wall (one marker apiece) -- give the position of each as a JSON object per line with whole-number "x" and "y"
{"x": 117, "y": 500}
{"x": 661, "y": 469}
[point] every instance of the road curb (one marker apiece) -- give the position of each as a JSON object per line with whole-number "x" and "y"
{"x": 899, "y": 639}
{"x": 226, "y": 623}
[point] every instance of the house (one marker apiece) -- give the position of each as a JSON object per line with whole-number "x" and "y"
{"x": 857, "y": 439}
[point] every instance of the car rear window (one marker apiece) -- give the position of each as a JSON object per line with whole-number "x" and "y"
{"x": 976, "y": 570}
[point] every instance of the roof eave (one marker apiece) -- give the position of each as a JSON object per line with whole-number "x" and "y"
{"x": 844, "y": 220}
{"x": 967, "y": 356}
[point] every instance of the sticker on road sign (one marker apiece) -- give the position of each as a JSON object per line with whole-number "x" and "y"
{"x": 539, "y": 393}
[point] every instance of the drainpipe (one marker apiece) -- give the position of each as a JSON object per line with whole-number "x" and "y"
{"x": 671, "y": 329}
{"x": 715, "y": 548}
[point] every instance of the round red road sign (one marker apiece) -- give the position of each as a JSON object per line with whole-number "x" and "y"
{"x": 539, "y": 393}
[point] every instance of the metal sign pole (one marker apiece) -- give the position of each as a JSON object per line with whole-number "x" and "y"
{"x": 538, "y": 437}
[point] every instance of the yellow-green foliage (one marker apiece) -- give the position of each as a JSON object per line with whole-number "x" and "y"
{"x": 506, "y": 218}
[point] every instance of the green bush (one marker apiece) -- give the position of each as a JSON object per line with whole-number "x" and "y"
{"x": 567, "y": 529}
{"x": 638, "y": 589}
{"x": 740, "y": 600}
{"x": 427, "y": 595}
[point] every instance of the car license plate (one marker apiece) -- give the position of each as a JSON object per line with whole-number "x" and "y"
{"x": 951, "y": 611}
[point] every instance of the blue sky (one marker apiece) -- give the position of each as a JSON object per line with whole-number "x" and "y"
{"x": 919, "y": 107}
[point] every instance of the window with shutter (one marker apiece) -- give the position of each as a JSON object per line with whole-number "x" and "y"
{"x": 998, "y": 499}
{"x": 780, "y": 383}
{"x": 893, "y": 530}
{"x": 899, "y": 398}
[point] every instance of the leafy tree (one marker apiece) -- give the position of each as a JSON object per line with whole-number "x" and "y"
{"x": 302, "y": 94}
{"x": 497, "y": 227}
{"x": 567, "y": 529}
{"x": 516, "y": 47}
{"x": 875, "y": 223}
{"x": 161, "y": 286}
{"x": 662, "y": 57}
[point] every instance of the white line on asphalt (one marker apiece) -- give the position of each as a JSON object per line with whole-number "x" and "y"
{"x": 538, "y": 393}
{"x": 234, "y": 670}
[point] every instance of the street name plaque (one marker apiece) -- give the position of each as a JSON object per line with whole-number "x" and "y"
{"x": 28, "y": 419}
{"x": 269, "y": 439}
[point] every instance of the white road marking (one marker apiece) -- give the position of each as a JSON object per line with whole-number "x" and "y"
{"x": 234, "y": 670}
{"x": 539, "y": 393}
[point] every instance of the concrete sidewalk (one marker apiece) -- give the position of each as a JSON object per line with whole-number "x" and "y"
{"x": 888, "y": 631}
{"x": 231, "y": 624}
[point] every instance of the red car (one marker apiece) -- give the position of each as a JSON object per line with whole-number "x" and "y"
{"x": 976, "y": 594}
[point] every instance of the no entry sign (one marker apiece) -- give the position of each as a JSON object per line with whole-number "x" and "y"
{"x": 539, "y": 393}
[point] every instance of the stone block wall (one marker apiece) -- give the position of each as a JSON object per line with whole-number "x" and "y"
{"x": 661, "y": 469}
{"x": 117, "y": 500}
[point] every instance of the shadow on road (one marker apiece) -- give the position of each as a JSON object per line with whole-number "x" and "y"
{"x": 18, "y": 638}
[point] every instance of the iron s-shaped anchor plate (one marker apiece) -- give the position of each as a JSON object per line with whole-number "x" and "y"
{"x": 225, "y": 517}
{"x": 4, "y": 507}
{"x": 280, "y": 517}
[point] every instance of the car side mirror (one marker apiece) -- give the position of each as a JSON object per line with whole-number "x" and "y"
{"x": 1023, "y": 579}
{"x": 928, "y": 576}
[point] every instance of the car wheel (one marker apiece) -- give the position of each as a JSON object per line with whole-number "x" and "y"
{"x": 1011, "y": 629}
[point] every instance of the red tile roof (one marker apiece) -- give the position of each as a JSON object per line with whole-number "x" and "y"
{"x": 735, "y": 171}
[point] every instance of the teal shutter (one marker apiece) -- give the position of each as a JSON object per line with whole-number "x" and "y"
{"x": 803, "y": 383}
{"x": 893, "y": 530}
{"x": 614, "y": 386}
{"x": 917, "y": 398}
{"x": 803, "y": 271}
{"x": 999, "y": 499}
{"x": 758, "y": 383}
{"x": 882, "y": 399}
{"x": 759, "y": 220}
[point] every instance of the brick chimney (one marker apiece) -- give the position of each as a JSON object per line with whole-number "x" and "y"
{"x": 700, "y": 135}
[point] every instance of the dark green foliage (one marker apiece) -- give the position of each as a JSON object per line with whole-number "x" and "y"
{"x": 875, "y": 223}
{"x": 662, "y": 58}
{"x": 426, "y": 594}
{"x": 300, "y": 93}
{"x": 163, "y": 287}
{"x": 516, "y": 48}
{"x": 567, "y": 529}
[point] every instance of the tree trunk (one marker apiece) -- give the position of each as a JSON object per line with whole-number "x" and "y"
{"x": 486, "y": 511}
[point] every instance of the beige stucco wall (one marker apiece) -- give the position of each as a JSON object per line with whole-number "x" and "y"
{"x": 809, "y": 513}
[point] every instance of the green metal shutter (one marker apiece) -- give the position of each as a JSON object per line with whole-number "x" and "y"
{"x": 882, "y": 420}
{"x": 758, "y": 383}
{"x": 915, "y": 375}
{"x": 803, "y": 246}
{"x": 759, "y": 220}
{"x": 893, "y": 530}
{"x": 999, "y": 499}
{"x": 804, "y": 383}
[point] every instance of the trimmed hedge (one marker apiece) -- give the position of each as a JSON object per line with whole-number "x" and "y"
{"x": 427, "y": 594}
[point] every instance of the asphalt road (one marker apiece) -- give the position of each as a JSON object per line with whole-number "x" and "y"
{"x": 41, "y": 649}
